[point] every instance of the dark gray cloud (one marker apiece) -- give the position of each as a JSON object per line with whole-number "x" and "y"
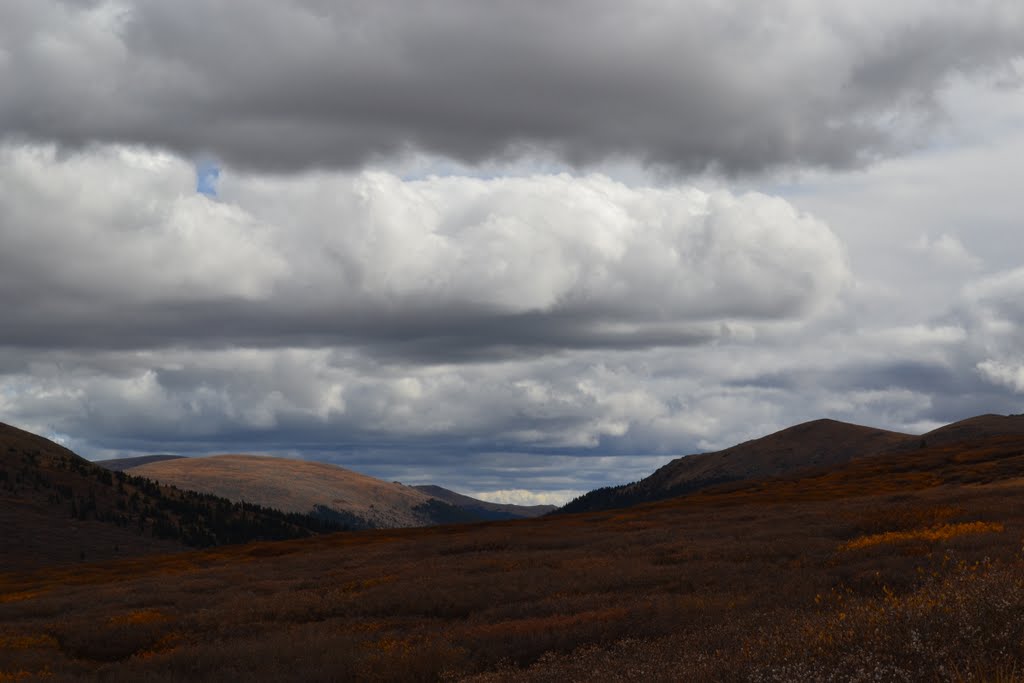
{"x": 953, "y": 386}
{"x": 266, "y": 84}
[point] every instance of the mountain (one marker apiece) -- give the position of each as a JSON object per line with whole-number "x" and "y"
{"x": 819, "y": 443}
{"x": 57, "y": 507}
{"x": 484, "y": 509}
{"x": 122, "y": 464}
{"x": 303, "y": 486}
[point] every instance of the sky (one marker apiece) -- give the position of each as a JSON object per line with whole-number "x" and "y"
{"x": 520, "y": 250}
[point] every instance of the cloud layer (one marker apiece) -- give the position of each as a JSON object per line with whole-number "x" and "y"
{"x": 114, "y": 249}
{"x": 284, "y": 85}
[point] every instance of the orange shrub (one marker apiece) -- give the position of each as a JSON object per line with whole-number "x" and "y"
{"x": 941, "y": 532}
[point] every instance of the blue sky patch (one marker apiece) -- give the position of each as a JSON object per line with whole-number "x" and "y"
{"x": 207, "y": 175}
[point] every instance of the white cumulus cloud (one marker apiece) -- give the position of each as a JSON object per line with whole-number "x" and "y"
{"x": 118, "y": 243}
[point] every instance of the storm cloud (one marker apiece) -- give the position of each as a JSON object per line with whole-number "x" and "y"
{"x": 263, "y": 84}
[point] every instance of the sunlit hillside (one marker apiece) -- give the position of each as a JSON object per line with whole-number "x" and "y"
{"x": 306, "y": 487}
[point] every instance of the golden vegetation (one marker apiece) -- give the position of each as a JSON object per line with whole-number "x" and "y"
{"x": 19, "y": 595}
{"x": 937, "y": 533}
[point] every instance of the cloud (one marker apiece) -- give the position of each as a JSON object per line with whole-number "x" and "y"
{"x": 112, "y": 248}
{"x": 565, "y": 421}
{"x": 992, "y": 306}
{"x": 1000, "y": 296}
{"x": 1005, "y": 374}
{"x": 524, "y": 497}
{"x": 948, "y": 251}
{"x": 738, "y": 87}
{"x": 383, "y": 323}
{"x": 89, "y": 234}
{"x": 360, "y": 318}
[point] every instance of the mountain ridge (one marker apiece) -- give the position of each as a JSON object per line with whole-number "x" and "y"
{"x": 979, "y": 426}
{"x": 817, "y": 443}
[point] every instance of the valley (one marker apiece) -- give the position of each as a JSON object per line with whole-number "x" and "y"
{"x": 905, "y": 565}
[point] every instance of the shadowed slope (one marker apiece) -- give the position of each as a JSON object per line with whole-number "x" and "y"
{"x": 820, "y": 443}
{"x": 57, "y": 507}
{"x": 50, "y": 499}
{"x": 974, "y": 428}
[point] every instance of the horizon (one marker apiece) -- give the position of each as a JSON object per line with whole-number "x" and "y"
{"x": 523, "y": 252}
{"x": 523, "y": 496}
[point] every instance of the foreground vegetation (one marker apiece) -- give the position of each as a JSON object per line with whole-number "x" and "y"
{"x": 900, "y": 569}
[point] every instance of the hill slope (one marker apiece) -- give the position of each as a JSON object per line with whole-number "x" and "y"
{"x": 46, "y": 496}
{"x": 483, "y": 508}
{"x": 307, "y": 487}
{"x": 56, "y": 506}
{"x": 820, "y": 443}
{"x": 973, "y": 429}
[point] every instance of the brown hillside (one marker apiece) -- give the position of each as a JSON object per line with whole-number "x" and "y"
{"x": 820, "y": 443}
{"x": 973, "y": 428}
{"x": 296, "y": 486}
